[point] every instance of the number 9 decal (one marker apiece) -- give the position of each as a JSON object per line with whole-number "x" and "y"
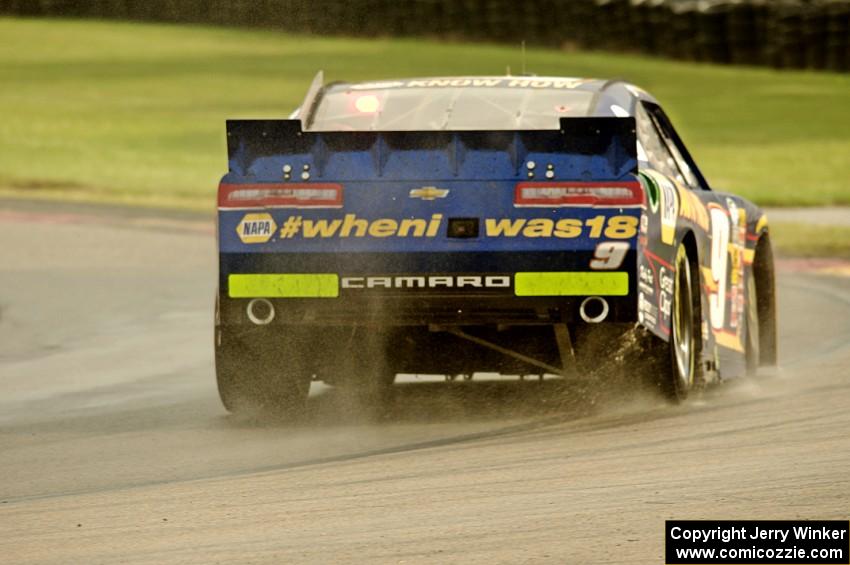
{"x": 609, "y": 255}
{"x": 719, "y": 265}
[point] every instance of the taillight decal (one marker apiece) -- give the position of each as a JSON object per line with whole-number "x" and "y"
{"x": 280, "y": 195}
{"x": 553, "y": 194}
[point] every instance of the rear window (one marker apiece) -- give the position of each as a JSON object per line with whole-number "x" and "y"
{"x": 351, "y": 108}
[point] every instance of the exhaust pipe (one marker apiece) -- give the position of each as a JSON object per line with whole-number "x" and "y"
{"x": 593, "y": 309}
{"x": 260, "y": 311}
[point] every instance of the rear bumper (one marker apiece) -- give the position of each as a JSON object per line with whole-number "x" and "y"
{"x": 342, "y": 296}
{"x": 441, "y": 311}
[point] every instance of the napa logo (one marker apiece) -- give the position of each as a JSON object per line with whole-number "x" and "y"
{"x": 256, "y": 228}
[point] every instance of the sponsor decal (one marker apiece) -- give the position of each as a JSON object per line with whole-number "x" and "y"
{"x": 256, "y": 228}
{"x": 427, "y": 282}
{"x": 734, "y": 217}
{"x": 669, "y": 209}
{"x": 736, "y": 268}
{"x": 736, "y": 295}
{"x": 742, "y": 226}
{"x": 475, "y": 82}
{"x": 610, "y": 227}
{"x": 352, "y": 226}
{"x": 647, "y": 311}
{"x": 330, "y": 285}
{"x": 691, "y": 207}
{"x": 259, "y": 228}
{"x": 655, "y": 284}
{"x": 429, "y": 192}
{"x": 665, "y": 295}
{"x": 646, "y": 276}
{"x": 652, "y": 190}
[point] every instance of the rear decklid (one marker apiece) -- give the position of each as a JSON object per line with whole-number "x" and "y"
{"x": 433, "y": 203}
{"x": 370, "y": 191}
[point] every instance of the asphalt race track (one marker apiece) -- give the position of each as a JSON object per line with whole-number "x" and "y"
{"x": 114, "y": 447}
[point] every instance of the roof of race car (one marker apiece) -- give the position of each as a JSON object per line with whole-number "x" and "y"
{"x": 468, "y": 103}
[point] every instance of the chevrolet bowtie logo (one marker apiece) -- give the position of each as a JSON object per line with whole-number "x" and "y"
{"x": 429, "y": 192}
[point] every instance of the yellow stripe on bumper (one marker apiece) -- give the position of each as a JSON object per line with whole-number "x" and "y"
{"x": 283, "y": 286}
{"x": 571, "y": 284}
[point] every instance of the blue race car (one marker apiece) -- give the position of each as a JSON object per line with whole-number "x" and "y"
{"x": 453, "y": 225}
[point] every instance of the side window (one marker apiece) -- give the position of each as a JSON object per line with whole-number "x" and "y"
{"x": 665, "y": 129}
{"x": 657, "y": 153}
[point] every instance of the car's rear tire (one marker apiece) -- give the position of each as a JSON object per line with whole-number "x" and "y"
{"x": 678, "y": 365}
{"x": 255, "y": 376}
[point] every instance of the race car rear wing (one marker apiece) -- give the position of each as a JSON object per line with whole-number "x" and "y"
{"x": 582, "y": 149}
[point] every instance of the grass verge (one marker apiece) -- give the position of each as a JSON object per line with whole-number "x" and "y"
{"x": 807, "y": 240}
{"x": 135, "y": 112}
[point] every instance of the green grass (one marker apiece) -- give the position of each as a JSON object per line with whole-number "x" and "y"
{"x": 125, "y": 111}
{"x": 806, "y": 240}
